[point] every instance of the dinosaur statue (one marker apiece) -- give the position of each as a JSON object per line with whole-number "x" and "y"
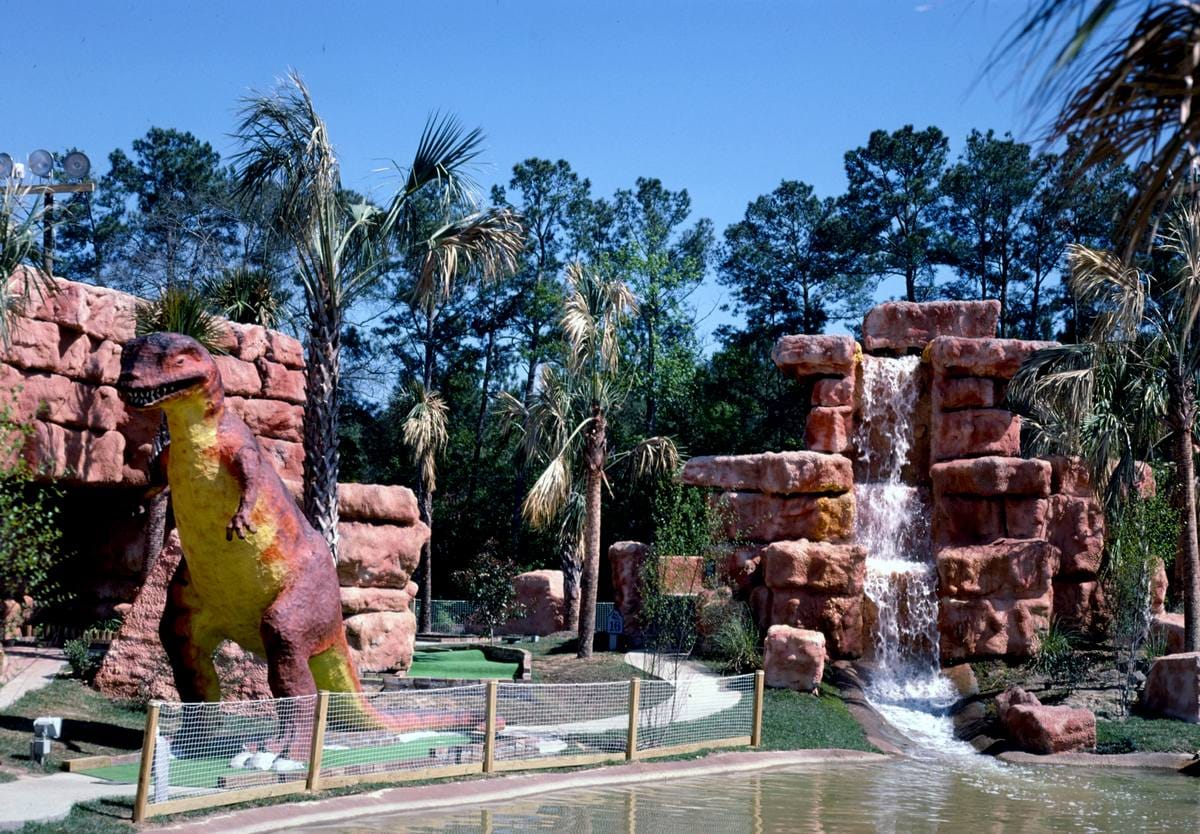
{"x": 254, "y": 570}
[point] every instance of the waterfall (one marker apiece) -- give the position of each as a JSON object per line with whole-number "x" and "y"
{"x": 892, "y": 524}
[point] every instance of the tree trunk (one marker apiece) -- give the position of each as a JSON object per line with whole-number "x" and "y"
{"x": 651, "y": 381}
{"x": 594, "y": 453}
{"x": 321, "y": 425}
{"x": 1183, "y": 408}
{"x": 425, "y": 565}
{"x": 522, "y": 474}
{"x": 571, "y": 570}
{"x": 481, "y": 419}
{"x": 910, "y": 282}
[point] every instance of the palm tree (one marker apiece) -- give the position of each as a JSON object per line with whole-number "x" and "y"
{"x": 1133, "y": 383}
{"x": 567, "y": 425}
{"x": 287, "y": 161}
{"x": 19, "y": 227}
{"x": 1126, "y": 97}
{"x": 425, "y": 435}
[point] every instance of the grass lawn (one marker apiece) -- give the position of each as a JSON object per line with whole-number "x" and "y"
{"x": 92, "y": 724}
{"x": 1147, "y": 735}
{"x": 554, "y": 661}
{"x": 799, "y": 721}
{"x": 458, "y": 664}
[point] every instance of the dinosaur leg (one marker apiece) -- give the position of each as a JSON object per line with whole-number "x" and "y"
{"x": 296, "y": 627}
{"x": 189, "y": 646}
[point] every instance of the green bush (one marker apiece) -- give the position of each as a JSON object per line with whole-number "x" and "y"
{"x": 84, "y": 662}
{"x": 30, "y": 534}
{"x": 733, "y": 639}
{"x": 1056, "y": 657}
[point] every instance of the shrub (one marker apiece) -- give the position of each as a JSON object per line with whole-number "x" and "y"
{"x": 1056, "y": 657}
{"x": 30, "y": 534}
{"x": 489, "y": 584}
{"x": 246, "y": 296}
{"x": 84, "y": 662}
{"x": 733, "y": 638}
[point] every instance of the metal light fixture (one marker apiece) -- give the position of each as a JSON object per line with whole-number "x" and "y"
{"x": 45, "y": 729}
{"x": 76, "y": 165}
{"x": 6, "y": 166}
{"x": 41, "y": 163}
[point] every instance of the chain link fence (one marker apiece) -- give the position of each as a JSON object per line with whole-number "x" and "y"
{"x": 211, "y": 754}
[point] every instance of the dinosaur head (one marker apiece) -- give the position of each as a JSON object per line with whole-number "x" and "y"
{"x": 161, "y": 369}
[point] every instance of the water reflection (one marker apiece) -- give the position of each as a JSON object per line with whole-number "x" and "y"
{"x": 903, "y": 796}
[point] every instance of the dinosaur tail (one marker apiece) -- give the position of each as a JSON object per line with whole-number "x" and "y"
{"x": 333, "y": 670}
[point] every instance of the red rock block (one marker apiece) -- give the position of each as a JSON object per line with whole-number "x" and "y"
{"x": 839, "y": 618}
{"x": 992, "y": 626}
{"x": 226, "y": 340}
{"x": 98, "y": 312}
{"x": 1014, "y": 696}
{"x": 833, "y": 392}
{"x": 1025, "y": 518}
{"x": 974, "y": 433}
{"x": 75, "y": 456}
{"x": 368, "y": 600}
{"x": 741, "y": 568}
{"x": 625, "y": 562}
{"x": 1145, "y": 485}
{"x": 1082, "y": 607}
{"x": 1169, "y": 629}
{"x": 136, "y": 665}
{"x": 1173, "y": 687}
{"x": 1076, "y": 527}
{"x": 1006, "y": 568}
{"x": 378, "y": 555}
{"x": 992, "y": 476}
{"x": 377, "y": 502}
{"x": 382, "y": 641}
{"x": 285, "y": 350}
{"x": 780, "y": 473}
{"x": 270, "y": 418}
{"x": 1070, "y": 476}
{"x": 752, "y": 516}
{"x": 683, "y": 575}
{"x": 279, "y": 383}
{"x": 286, "y": 457}
{"x": 58, "y": 399}
{"x": 252, "y": 341}
{"x": 103, "y": 364}
{"x": 806, "y": 356}
{"x": 999, "y": 358}
{"x": 816, "y": 567}
{"x": 1158, "y": 588}
{"x": 33, "y": 345}
{"x": 964, "y": 520}
{"x": 239, "y": 378}
{"x": 793, "y": 658}
{"x": 829, "y": 430}
{"x": 1044, "y": 730}
{"x": 902, "y": 326}
{"x": 540, "y": 603}
{"x": 950, "y": 393}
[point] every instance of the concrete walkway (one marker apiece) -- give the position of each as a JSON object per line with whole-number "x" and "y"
{"x": 29, "y": 668}
{"x": 44, "y": 798}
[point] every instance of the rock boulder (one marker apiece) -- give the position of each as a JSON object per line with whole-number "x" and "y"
{"x": 779, "y": 473}
{"x": 794, "y": 658}
{"x": 1173, "y": 687}
{"x": 541, "y": 603}
{"x": 904, "y": 326}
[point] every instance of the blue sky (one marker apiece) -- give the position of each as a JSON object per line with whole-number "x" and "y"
{"x": 723, "y": 98}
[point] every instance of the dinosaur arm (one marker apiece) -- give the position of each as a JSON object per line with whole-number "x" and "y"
{"x": 157, "y": 480}
{"x": 245, "y": 465}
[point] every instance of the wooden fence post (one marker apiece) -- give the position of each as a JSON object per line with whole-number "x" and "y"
{"x": 756, "y": 729}
{"x": 635, "y": 697}
{"x": 489, "y": 733}
{"x": 313, "y": 783}
{"x": 147, "y": 763}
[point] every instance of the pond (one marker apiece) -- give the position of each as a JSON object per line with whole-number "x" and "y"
{"x": 939, "y": 794}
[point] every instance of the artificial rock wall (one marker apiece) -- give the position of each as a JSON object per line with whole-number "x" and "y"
{"x": 1015, "y": 541}
{"x": 58, "y": 374}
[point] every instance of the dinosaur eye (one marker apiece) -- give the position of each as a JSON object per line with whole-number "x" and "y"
{"x": 179, "y": 360}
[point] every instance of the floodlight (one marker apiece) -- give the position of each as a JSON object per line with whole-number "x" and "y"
{"x": 41, "y": 163}
{"x": 6, "y": 166}
{"x": 76, "y": 165}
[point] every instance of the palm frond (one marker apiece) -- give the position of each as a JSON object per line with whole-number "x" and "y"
{"x": 549, "y": 493}
{"x": 653, "y": 457}
{"x": 180, "y": 309}
{"x": 1121, "y": 292}
{"x": 487, "y": 244}
{"x": 426, "y": 431}
{"x": 20, "y": 228}
{"x": 444, "y": 157}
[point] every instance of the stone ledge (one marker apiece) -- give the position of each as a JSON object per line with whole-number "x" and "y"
{"x": 903, "y": 326}
{"x": 778, "y": 473}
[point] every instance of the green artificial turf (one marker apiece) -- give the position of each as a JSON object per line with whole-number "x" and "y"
{"x": 1147, "y": 735}
{"x": 458, "y": 664}
{"x": 203, "y": 773}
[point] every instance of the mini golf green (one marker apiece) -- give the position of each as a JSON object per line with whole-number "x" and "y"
{"x": 458, "y": 664}
{"x": 203, "y": 773}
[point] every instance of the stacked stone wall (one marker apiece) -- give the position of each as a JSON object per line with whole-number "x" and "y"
{"x": 60, "y": 370}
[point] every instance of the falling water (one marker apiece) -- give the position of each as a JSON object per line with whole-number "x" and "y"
{"x": 893, "y": 527}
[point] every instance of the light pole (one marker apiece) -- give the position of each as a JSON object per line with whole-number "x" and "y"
{"x": 75, "y": 166}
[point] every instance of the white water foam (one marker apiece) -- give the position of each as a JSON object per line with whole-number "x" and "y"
{"x": 892, "y": 523}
